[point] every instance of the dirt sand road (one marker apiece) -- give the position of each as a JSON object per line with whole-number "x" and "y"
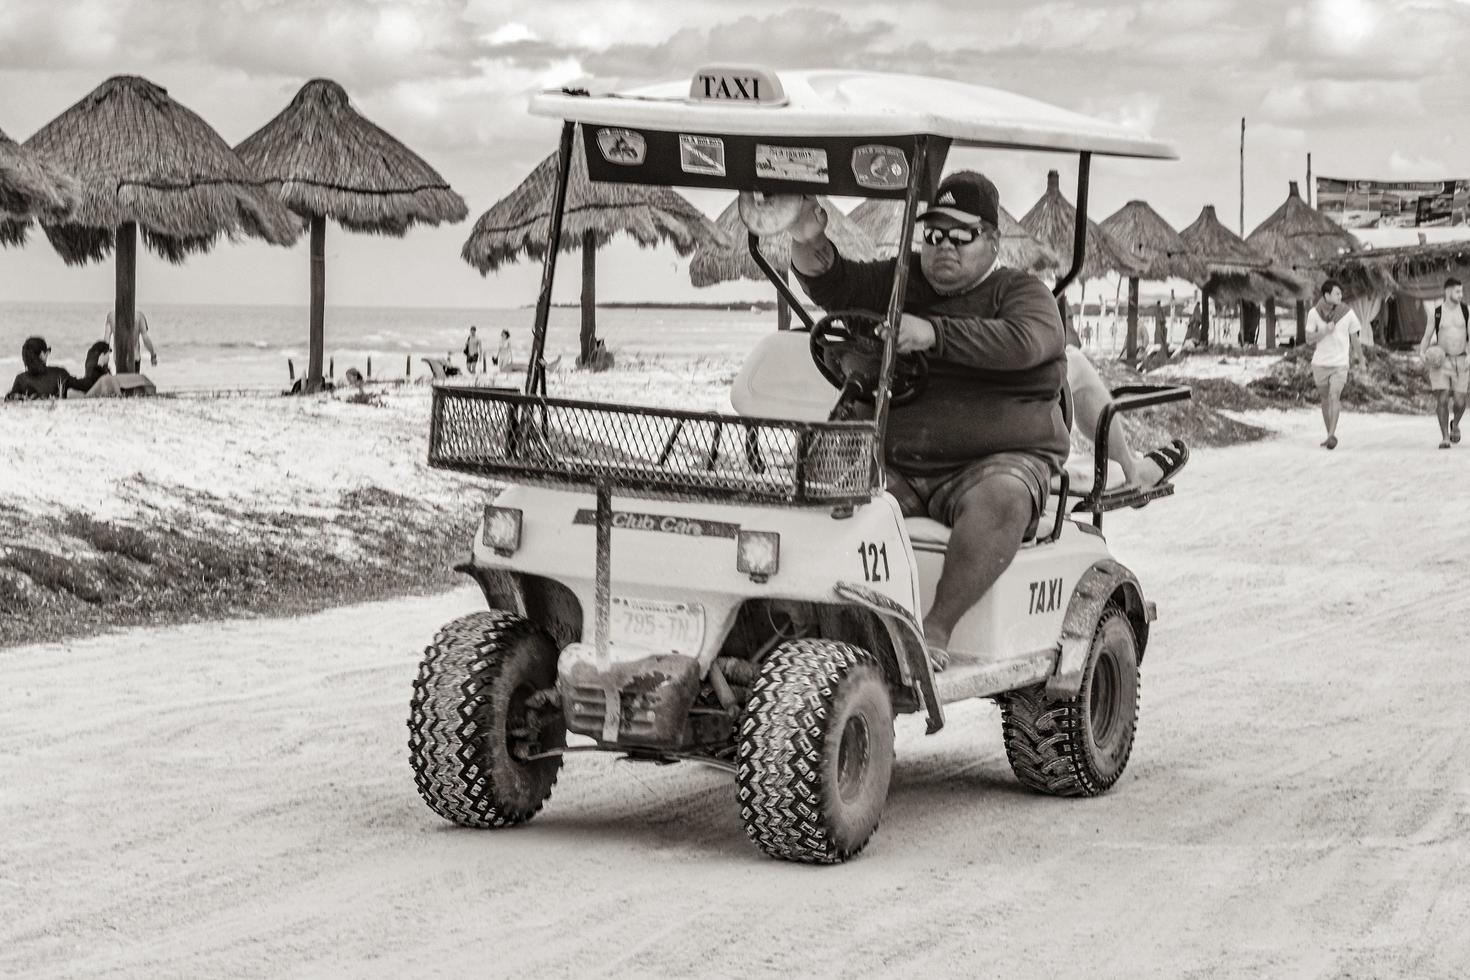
{"x": 234, "y": 799}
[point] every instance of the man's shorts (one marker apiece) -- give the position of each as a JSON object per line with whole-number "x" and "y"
{"x": 938, "y": 495}
{"x": 1331, "y": 378}
{"x": 1453, "y": 375}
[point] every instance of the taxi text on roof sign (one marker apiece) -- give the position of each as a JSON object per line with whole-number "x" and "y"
{"x": 749, "y": 84}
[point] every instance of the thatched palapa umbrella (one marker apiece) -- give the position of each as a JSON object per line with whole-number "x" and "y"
{"x": 728, "y": 259}
{"x": 322, "y": 159}
{"x": 1234, "y": 271}
{"x": 1146, "y": 236}
{"x": 520, "y": 224}
{"x": 1052, "y": 221}
{"x": 30, "y": 187}
{"x": 880, "y": 220}
{"x": 1298, "y": 238}
{"x": 146, "y": 163}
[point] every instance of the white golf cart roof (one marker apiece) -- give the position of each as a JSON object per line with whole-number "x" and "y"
{"x": 746, "y": 100}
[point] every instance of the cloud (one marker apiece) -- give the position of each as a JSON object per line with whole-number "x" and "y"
{"x": 1332, "y": 102}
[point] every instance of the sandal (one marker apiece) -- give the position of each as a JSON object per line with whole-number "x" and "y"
{"x": 1170, "y": 459}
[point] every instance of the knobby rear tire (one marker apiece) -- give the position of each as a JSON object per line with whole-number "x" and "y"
{"x": 467, "y": 700}
{"x": 1079, "y": 746}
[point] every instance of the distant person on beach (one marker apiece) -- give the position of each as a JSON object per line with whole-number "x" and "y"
{"x": 472, "y": 352}
{"x": 39, "y": 379}
{"x": 1445, "y": 350}
{"x": 140, "y": 338}
{"x": 1086, "y": 334}
{"x": 503, "y": 354}
{"x": 97, "y": 381}
{"x": 1334, "y": 329}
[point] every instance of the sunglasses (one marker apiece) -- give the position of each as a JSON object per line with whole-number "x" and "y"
{"x": 957, "y": 236}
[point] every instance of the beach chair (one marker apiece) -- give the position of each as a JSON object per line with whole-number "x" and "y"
{"x": 441, "y": 369}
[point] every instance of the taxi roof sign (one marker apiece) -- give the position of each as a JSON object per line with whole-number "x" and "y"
{"x": 746, "y": 84}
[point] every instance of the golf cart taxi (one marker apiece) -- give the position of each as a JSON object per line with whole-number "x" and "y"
{"x": 738, "y": 589}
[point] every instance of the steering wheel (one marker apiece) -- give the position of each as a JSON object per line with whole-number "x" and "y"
{"x": 849, "y": 353}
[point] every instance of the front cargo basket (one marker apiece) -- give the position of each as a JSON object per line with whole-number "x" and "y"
{"x": 655, "y": 451}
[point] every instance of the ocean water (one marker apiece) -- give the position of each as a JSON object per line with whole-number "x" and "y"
{"x": 221, "y": 347}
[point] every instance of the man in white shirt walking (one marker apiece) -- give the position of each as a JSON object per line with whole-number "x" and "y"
{"x": 1449, "y": 369}
{"x": 1334, "y": 329}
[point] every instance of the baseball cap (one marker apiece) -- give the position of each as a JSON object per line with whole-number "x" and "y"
{"x": 966, "y": 196}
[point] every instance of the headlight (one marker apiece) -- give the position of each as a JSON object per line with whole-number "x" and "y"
{"x": 758, "y": 553}
{"x": 502, "y": 530}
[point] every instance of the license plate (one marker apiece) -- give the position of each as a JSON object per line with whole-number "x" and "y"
{"x": 660, "y": 627}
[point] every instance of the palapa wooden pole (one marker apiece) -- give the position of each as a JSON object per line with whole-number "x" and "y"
{"x": 1132, "y": 349}
{"x": 1271, "y": 323}
{"x": 125, "y": 298}
{"x": 1301, "y": 323}
{"x": 318, "y": 303}
{"x": 589, "y": 296}
{"x": 1204, "y": 319}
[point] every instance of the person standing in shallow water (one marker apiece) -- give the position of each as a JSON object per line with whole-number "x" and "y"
{"x": 472, "y": 352}
{"x": 141, "y": 338}
{"x": 1334, "y": 330}
{"x": 1450, "y": 378}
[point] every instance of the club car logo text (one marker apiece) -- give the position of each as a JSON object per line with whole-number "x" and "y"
{"x": 1046, "y": 596}
{"x": 690, "y": 527}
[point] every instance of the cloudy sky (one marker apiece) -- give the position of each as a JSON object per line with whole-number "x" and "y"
{"x": 1372, "y": 88}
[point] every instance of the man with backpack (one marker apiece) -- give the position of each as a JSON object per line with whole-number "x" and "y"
{"x": 1446, "y": 353}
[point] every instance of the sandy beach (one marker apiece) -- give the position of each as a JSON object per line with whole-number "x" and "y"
{"x": 235, "y": 800}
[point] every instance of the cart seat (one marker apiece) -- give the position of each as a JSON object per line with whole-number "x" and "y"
{"x": 779, "y": 381}
{"x": 926, "y": 532}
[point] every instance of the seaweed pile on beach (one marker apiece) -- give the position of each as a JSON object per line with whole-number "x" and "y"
{"x": 73, "y": 574}
{"x": 1390, "y": 382}
{"x": 1198, "y": 421}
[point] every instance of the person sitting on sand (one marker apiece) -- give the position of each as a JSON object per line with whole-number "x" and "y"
{"x": 39, "y": 379}
{"x": 98, "y": 381}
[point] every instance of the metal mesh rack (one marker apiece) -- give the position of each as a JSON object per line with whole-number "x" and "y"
{"x": 532, "y": 439}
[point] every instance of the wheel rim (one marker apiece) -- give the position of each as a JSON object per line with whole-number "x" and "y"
{"x": 1102, "y": 699}
{"x": 852, "y": 758}
{"x": 522, "y": 726}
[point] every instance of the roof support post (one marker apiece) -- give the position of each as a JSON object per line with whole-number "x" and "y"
{"x": 1079, "y": 233}
{"x": 783, "y": 288}
{"x": 918, "y": 172}
{"x": 536, "y": 369}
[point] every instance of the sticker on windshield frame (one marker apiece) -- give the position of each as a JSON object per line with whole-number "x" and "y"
{"x": 622, "y": 146}
{"x": 801, "y": 163}
{"x": 880, "y": 168}
{"x": 702, "y": 155}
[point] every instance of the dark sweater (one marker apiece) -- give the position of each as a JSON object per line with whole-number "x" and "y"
{"x": 996, "y": 370}
{"x": 48, "y": 382}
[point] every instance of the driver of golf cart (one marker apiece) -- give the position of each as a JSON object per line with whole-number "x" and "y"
{"x": 977, "y": 447}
